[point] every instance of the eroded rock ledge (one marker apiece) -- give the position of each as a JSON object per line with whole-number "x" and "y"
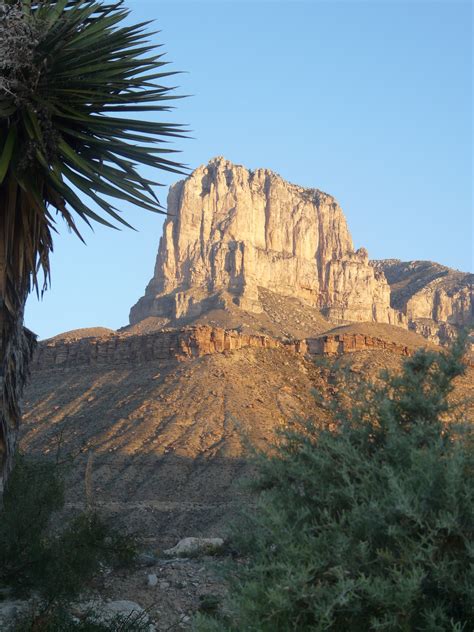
{"x": 177, "y": 344}
{"x": 193, "y": 342}
{"x": 339, "y": 344}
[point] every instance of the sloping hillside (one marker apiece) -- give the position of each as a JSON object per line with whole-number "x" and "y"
{"x": 165, "y": 440}
{"x": 161, "y": 444}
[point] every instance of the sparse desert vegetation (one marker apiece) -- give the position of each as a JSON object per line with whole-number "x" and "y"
{"x": 367, "y": 525}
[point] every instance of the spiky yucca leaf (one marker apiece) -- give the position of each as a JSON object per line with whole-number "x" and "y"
{"x": 76, "y": 85}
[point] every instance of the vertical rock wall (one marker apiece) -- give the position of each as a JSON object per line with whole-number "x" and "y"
{"x": 231, "y": 231}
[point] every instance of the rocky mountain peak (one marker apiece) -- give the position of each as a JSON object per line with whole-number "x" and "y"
{"x": 232, "y": 231}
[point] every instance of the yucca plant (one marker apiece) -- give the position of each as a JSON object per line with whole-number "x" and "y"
{"x": 71, "y": 72}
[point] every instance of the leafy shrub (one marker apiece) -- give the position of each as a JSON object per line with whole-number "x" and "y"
{"x": 209, "y": 603}
{"x": 35, "y": 557}
{"x": 35, "y": 490}
{"x": 368, "y": 525}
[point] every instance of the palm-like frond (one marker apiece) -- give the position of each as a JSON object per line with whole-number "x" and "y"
{"x": 76, "y": 84}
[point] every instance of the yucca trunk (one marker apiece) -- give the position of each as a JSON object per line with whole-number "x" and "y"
{"x": 5, "y": 449}
{"x": 16, "y": 349}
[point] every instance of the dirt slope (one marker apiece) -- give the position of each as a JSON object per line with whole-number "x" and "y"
{"x": 165, "y": 441}
{"x": 282, "y": 317}
{"x": 84, "y": 332}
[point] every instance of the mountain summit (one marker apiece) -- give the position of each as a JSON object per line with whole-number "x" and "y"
{"x": 233, "y": 233}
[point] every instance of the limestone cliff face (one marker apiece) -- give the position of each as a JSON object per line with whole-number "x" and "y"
{"x": 436, "y": 300}
{"x": 232, "y": 231}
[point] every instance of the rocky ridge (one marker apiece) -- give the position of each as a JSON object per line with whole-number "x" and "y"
{"x": 163, "y": 345}
{"x": 70, "y": 351}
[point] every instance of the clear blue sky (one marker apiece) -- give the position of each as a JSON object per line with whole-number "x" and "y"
{"x": 368, "y": 101}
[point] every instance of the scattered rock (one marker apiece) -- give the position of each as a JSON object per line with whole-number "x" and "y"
{"x": 146, "y": 559}
{"x": 123, "y": 607}
{"x": 196, "y": 546}
{"x": 10, "y": 610}
{"x": 152, "y": 579}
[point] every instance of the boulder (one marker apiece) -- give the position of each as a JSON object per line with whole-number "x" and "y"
{"x": 195, "y": 546}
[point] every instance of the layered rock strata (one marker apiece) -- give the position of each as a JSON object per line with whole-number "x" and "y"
{"x": 171, "y": 345}
{"x": 339, "y": 344}
{"x": 193, "y": 342}
{"x": 232, "y": 231}
{"x": 435, "y": 300}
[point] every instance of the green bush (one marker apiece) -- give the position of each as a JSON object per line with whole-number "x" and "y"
{"x": 368, "y": 525}
{"x": 33, "y": 556}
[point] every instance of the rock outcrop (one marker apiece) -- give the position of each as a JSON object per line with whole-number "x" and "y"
{"x": 435, "y": 300}
{"x": 164, "y": 345}
{"x": 339, "y": 344}
{"x": 188, "y": 343}
{"x": 232, "y": 231}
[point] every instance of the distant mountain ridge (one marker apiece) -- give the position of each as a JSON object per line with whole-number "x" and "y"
{"x": 436, "y": 300}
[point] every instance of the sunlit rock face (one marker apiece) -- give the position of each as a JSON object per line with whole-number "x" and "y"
{"x": 232, "y": 231}
{"x": 435, "y": 300}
